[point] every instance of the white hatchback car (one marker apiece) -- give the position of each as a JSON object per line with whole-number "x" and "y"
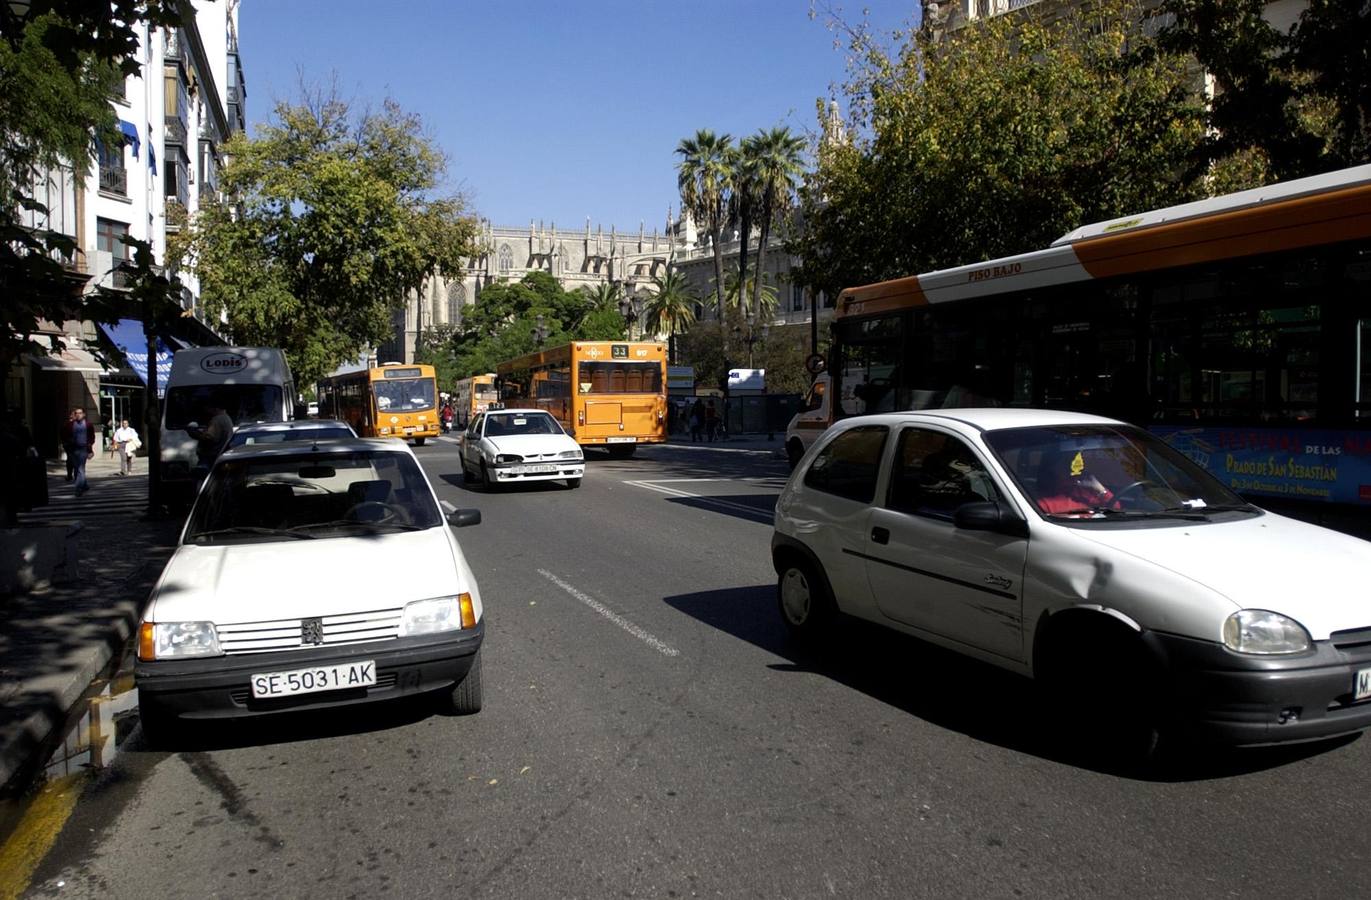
{"x": 293, "y": 430}
{"x": 503, "y": 446}
{"x": 1091, "y": 553}
{"x": 311, "y": 575}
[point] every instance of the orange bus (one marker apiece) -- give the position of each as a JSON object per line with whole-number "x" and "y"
{"x": 388, "y": 401}
{"x": 471, "y": 396}
{"x": 609, "y": 394}
{"x": 1238, "y": 328}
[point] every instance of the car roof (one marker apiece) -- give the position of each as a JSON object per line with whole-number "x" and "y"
{"x": 521, "y": 410}
{"x": 988, "y": 418}
{"x": 326, "y": 445}
{"x": 293, "y": 425}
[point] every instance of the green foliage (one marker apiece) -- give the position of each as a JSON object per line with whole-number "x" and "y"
{"x": 60, "y": 61}
{"x": 1285, "y": 105}
{"x": 702, "y": 347}
{"x": 705, "y": 177}
{"x": 782, "y": 354}
{"x": 327, "y": 223}
{"x": 502, "y": 323}
{"x": 996, "y": 141}
{"x": 671, "y": 308}
{"x": 435, "y": 348}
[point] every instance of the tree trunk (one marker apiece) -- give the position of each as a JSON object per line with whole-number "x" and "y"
{"x": 715, "y": 233}
{"x": 761, "y": 255}
{"x": 745, "y": 224}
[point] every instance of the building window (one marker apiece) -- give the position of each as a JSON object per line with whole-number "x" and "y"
{"x": 456, "y": 299}
{"x": 825, "y": 300}
{"x": 506, "y": 259}
{"x": 114, "y": 178}
{"x": 797, "y": 298}
{"x": 108, "y": 237}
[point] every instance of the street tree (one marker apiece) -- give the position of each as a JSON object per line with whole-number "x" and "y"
{"x": 705, "y": 180}
{"x": 777, "y": 163}
{"x": 60, "y": 62}
{"x": 745, "y": 195}
{"x": 996, "y": 140}
{"x": 327, "y": 222}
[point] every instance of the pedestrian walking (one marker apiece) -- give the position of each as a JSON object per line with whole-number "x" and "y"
{"x": 711, "y": 421}
{"x": 78, "y": 438}
{"x": 697, "y": 420}
{"x": 126, "y": 444}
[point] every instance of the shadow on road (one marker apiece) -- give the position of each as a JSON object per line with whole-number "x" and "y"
{"x": 950, "y": 690}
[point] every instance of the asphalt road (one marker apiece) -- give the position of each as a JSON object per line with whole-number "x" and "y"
{"x": 649, "y": 731}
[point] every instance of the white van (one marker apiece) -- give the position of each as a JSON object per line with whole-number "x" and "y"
{"x": 807, "y": 424}
{"x": 253, "y": 384}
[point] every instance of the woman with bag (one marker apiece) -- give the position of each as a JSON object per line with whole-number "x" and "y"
{"x": 126, "y": 444}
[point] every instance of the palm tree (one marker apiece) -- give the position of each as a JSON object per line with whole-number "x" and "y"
{"x": 745, "y": 197}
{"x": 671, "y": 308}
{"x": 602, "y": 296}
{"x": 764, "y": 297}
{"x": 704, "y": 176}
{"x": 778, "y": 166}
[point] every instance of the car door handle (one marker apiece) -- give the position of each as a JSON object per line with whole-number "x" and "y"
{"x": 880, "y": 535}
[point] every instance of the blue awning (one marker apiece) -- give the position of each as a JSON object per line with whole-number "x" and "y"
{"x": 130, "y": 132}
{"x": 152, "y": 159}
{"x": 127, "y": 335}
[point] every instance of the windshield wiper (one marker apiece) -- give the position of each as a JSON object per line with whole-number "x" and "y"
{"x": 1219, "y": 507}
{"x": 252, "y": 529}
{"x": 353, "y": 523}
{"x": 1187, "y": 514}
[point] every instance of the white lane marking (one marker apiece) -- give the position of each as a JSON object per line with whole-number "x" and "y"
{"x": 703, "y": 498}
{"x": 611, "y": 615}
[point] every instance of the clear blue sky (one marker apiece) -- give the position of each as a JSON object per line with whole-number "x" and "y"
{"x": 559, "y": 109}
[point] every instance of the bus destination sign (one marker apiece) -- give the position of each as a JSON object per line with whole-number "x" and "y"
{"x": 401, "y": 373}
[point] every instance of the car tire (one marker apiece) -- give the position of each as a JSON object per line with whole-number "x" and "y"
{"x": 465, "y": 698}
{"x": 487, "y": 482}
{"x": 793, "y": 451}
{"x": 158, "y": 723}
{"x": 803, "y": 598}
{"x": 467, "y": 477}
{"x": 573, "y": 483}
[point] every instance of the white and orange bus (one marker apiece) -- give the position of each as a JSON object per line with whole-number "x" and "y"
{"x": 473, "y": 395}
{"x": 609, "y": 394}
{"x": 1238, "y": 327}
{"x": 391, "y": 400}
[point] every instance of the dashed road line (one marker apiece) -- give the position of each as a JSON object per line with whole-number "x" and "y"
{"x": 646, "y": 637}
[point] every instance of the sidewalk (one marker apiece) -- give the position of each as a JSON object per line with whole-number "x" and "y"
{"x": 54, "y": 641}
{"x": 751, "y": 442}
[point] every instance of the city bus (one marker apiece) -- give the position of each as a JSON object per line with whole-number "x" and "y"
{"x": 609, "y": 394}
{"x": 1238, "y": 328}
{"x": 471, "y": 396}
{"x": 390, "y": 400}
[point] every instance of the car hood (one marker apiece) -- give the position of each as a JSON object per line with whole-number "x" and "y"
{"x": 1314, "y": 575}
{"x": 292, "y": 579}
{"x": 531, "y": 444}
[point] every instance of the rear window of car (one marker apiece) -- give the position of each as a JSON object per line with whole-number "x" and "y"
{"x": 290, "y": 434}
{"x": 848, "y": 465}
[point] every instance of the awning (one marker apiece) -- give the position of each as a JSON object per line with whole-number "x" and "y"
{"x": 130, "y": 132}
{"x": 72, "y": 359}
{"x": 127, "y": 335}
{"x": 152, "y": 158}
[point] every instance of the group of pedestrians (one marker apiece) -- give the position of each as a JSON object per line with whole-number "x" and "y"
{"x": 78, "y": 441}
{"x": 705, "y": 422}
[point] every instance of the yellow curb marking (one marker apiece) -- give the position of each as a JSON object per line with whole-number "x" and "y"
{"x": 36, "y": 833}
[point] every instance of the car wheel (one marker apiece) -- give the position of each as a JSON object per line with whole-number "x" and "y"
{"x": 465, "y": 697}
{"x": 157, "y": 722}
{"x": 573, "y": 483}
{"x": 419, "y": 442}
{"x": 803, "y": 598}
{"x": 467, "y": 477}
{"x": 793, "y": 451}
{"x": 487, "y": 481}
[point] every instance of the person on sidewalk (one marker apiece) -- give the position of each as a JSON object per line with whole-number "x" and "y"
{"x": 78, "y": 437}
{"x": 711, "y": 422}
{"x": 214, "y": 437}
{"x": 126, "y": 443}
{"x": 71, "y": 459}
{"x": 697, "y": 420}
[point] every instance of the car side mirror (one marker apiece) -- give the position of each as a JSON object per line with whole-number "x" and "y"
{"x": 989, "y": 516}
{"x": 461, "y": 518}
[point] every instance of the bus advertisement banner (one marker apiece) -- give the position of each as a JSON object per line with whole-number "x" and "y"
{"x": 1295, "y": 463}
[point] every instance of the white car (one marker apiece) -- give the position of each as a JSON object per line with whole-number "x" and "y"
{"x": 293, "y": 430}
{"x": 504, "y": 446}
{"x": 311, "y": 575}
{"x": 1090, "y": 553}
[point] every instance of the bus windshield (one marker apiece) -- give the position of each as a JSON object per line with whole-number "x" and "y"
{"x": 243, "y": 403}
{"x": 405, "y": 395}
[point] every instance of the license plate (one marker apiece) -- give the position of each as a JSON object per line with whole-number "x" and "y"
{"x": 538, "y": 470}
{"x": 317, "y": 678}
{"x": 621, "y": 440}
{"x": 410, "y": 429}
{"x": 1363, "y": 685}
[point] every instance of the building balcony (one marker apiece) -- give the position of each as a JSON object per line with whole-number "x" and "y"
{"x": 106, "y": 273}
{"x": 175, "y": 130}
{"x": 114, "y": 180}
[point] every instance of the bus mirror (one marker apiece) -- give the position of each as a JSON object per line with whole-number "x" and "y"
{"x": 815, "y": 363}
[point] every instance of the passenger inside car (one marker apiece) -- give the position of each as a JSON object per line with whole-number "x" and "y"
{"x": 1065, "y": 486}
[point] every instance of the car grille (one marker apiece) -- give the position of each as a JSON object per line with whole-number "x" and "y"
{"x": 1351, "y": 639}
{"x": 288, "y": 634}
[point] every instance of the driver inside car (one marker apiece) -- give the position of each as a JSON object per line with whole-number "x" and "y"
{"x": 1064, "y": 486}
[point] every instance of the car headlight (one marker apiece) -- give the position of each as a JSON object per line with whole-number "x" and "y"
{"x": 177, "y": 640}
{"x": 1260, "y": 631}
{"x": 508, "y": 458}
{"x": 570, "y": 454}
{"x": 436, "y": 615}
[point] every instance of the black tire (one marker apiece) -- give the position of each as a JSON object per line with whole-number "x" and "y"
{"x": 159, "y": 725}
{"x": 419, "y": 442}
{"x": 465, "y": 698}
{"x": 487, "y": 482}
{"x": 793, "y": 451}
{"x": 803, "y": 598}
{"x": 621, "y": 451}
{"x": 467, "y": 477}
{"x": 573, "y": 483}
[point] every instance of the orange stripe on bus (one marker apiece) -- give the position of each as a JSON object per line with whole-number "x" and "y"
{"x": 1300, "y": 222}
{"x": 898, "y": 293}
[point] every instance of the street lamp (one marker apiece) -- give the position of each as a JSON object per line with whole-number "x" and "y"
{"x": 539, "y": 329}
{"x": 628, "y": 308}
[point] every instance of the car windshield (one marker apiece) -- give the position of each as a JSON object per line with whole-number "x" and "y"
{"x": 312, "y": 495}
{"x": 243, "y": 403}
{"x": 1108, "y": 472}
{"x": 404, "y": 395}
{"x": 521, "y": 423}
{"x": 279, "y": 435}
